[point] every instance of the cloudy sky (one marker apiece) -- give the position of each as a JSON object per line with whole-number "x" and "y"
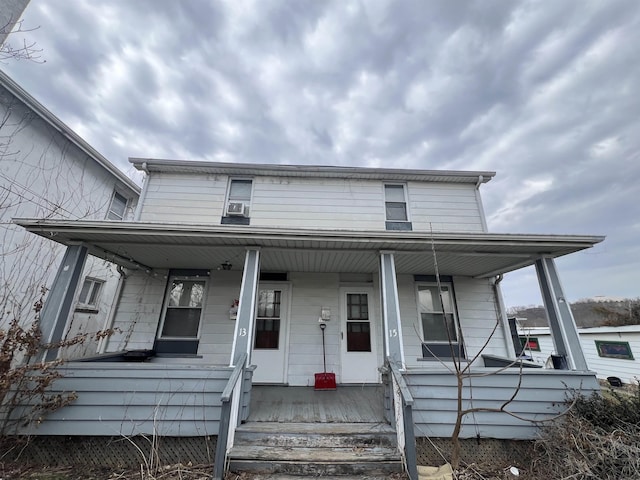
{"x": 545, "y": 93}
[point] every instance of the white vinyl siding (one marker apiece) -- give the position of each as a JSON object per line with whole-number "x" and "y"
{"x": 313, "y": 203}
{"x": 177, "y": 198}
{"x": 139, "y": 310}
{"x": 317, "y": 203}
{"x": 445, "y": 207}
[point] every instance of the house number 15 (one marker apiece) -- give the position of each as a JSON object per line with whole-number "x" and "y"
{"x": 393, "y": 332}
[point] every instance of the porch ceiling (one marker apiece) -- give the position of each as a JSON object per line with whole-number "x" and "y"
{"x": 159, "y": 246}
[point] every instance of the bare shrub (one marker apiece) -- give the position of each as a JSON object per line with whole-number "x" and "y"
{"x": 25, "y": 383}
{"x": 599, "y": 438}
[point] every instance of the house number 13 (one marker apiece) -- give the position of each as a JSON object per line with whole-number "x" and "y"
{"x": 243, "y": 332}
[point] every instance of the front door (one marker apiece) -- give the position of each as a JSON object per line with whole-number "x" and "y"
{"x": 269, "y": 345}
{"x": 358, "y": 337}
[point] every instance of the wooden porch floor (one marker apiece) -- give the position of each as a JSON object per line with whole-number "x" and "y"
{"x": 347, "y": 404}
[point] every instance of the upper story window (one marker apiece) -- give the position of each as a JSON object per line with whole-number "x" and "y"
{"x": 395, "y": 205}
{"x": 238, "y": 204}
{"x": 89, "y": 294}
{"x": 118, "y": 207}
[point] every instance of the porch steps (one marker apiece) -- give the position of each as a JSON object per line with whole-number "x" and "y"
{"x": 338, "y": 449}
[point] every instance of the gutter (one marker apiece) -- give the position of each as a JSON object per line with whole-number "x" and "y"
{"x": 483, "y": 218}
{"x": 143, "y": 195}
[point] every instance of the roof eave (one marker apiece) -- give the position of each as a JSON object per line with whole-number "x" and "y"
{"x": 61, "y": 127}
{"x": 161, "y": 165}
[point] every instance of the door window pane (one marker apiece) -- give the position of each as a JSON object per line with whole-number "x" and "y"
{"x": 358, "y": 327}
{"x": 268, "y": 320}
{"x": 358, "y": 337}
{"x": 267, "y": 333}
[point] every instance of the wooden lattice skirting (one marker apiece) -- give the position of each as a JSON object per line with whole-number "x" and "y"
{"x": 118, "y": 452}
{"x": 135, "y": 451}
{"x": 484, "y": 451}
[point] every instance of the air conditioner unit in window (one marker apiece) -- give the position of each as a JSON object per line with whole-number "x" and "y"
{"x": 235, "y": 209}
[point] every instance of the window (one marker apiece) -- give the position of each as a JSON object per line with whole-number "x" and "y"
{"x": 438, "y": 321}
{"x": 89, "y": 294}
{"x": 358, "y": 327}
{"x": 395, "y": 205}
{"x": 530, "y": 343}
{"x": 118, "y": 207}
{"x": 614, "y": 349}
{"x": 183, "y": 308}
{"x": 268, "y": 320}
{"x": 238, "y": 204}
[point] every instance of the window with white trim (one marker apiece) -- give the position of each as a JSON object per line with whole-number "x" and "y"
{"x": 90, "y": 294}
{"x": 395, "y": 206}
{"x": 118, "y": 207}
{"x": 183, "y": 308}
{"x": 438, "y": 321}
{"x": 238, "y": 204}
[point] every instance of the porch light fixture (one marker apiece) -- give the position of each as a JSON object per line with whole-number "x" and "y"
{"x": 226, "y": 265}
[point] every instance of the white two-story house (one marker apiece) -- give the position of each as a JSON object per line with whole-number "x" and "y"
{"x": 48, "y": 171}
{"x": 235, "y": 268}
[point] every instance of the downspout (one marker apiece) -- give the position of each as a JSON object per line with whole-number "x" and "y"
{"x": 143, "y": 194}
{"x": 108, "y": 322}
{"x": 506, "y": 332}
{"x": 483, "y": 218}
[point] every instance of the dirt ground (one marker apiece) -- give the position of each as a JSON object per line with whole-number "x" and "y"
{"x": 194, "y": 472}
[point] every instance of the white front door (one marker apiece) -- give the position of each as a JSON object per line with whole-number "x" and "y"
{"x": 269, "y": 341}
{"x": 358, "y": 337}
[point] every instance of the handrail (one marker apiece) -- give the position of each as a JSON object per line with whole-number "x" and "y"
{"x": 237, "y": 370}
{"x": 407, "y": 398}
{"x": 406, "y": 411}
{"x": 225, "y": 417}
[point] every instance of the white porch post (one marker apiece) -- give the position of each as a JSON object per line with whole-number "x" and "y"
{"x": 243, "y": 334}
{"x": 56, "y": 309}
{"x": 393, "y": 344}
{"x": 563, "y": 326}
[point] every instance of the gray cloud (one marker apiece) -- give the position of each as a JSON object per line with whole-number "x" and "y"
{"x": 547, "y": 94}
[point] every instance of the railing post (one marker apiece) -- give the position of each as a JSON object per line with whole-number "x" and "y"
{"x": 221, "y": 443}
{"x": 230, "y": 396}
{"x": 404, "y": 407}
{"x": 410, "y": 453}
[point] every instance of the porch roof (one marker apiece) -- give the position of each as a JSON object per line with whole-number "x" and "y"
{"x": 146, "y": 245}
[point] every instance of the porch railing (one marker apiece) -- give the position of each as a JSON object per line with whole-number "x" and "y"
{"x": 231, "y": 397}
{"x": 403, "y": 408}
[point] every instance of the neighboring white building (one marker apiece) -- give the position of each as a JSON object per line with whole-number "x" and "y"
{"x": 10, "y": 14}
{"x": 609, "y": 351}
{"x": 47, "y": 171}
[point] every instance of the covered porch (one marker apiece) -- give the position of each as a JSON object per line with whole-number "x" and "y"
{"x": 315, "y": 269}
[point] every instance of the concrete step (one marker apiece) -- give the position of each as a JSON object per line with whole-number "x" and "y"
{"x": 316, "y": 449}
{"x": 316, "y": 435}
